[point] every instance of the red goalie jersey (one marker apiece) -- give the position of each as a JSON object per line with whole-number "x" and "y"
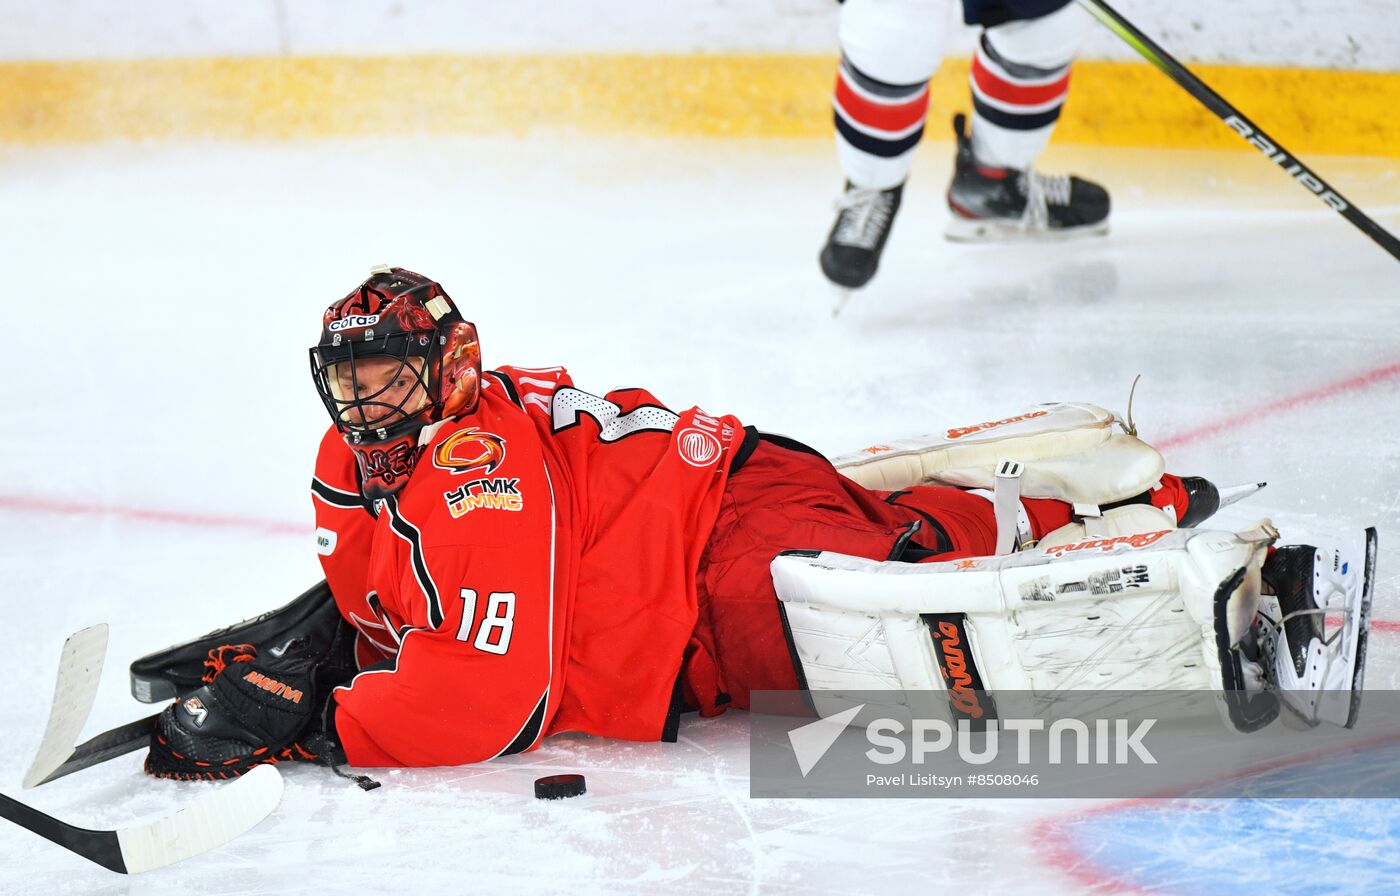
{"x": 535, "y": 575}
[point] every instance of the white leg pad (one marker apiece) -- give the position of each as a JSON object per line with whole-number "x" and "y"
{"x": 1070, "y": 451}
{"x": 1137, "y": 612}
{"x": 1126, "y": 520}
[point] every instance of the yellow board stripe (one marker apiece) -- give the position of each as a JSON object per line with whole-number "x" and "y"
{"x": 728, "y": 95}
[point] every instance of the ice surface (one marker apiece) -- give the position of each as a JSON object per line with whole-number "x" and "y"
{"x": 161, "y": 426}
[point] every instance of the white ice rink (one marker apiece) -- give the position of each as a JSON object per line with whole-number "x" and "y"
{"x": 161, "y": 423}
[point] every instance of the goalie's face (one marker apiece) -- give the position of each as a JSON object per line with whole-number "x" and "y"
{"x": 378, "y": 391}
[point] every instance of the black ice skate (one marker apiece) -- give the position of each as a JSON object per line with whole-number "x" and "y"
{"x": 852, "y": 251}
{"x": 177, "y": 670}
{"x": 1009, "y": 203}
{"x": 1203, "y": 499}
{"x": 1288, "y": 575}
{"x": 1315, "y": 663}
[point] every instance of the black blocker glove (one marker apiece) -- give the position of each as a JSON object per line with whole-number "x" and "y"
{"x": 271, "y": 708}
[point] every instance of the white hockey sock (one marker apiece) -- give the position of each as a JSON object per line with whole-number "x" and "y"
{"x": 1019, "y": 79}
{"x": 890, "y": 49}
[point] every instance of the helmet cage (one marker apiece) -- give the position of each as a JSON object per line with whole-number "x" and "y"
{"x": 389, "y": 411}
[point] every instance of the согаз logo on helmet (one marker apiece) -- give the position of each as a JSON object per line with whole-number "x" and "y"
{"x": 354, "y": 320}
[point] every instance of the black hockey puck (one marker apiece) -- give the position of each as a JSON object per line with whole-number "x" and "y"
{"x": 559, "y": 787}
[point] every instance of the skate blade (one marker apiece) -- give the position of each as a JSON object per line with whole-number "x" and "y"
{"x": 1232, "y": 494}
{"x": 1358, "y": 669}
{"x": 972, "y": 230}
{"x": 840, "y": 295}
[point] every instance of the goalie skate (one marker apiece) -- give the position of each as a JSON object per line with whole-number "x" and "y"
{"x": 1312, "y": 630}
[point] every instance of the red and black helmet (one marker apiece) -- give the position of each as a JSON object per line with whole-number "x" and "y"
{"x": 394, "y": 356}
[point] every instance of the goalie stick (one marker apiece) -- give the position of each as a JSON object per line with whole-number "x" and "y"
{"x": 208, "y": 823}
{"x": 211, "y": 821}
{"x": 1241, "y": 125}
{"x": 118, "y": 741}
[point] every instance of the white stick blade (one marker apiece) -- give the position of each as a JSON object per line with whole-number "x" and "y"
{"x": 230, "y": 811}
{"x": 78, "y": 673}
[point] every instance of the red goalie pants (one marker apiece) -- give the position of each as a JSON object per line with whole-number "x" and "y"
{"x": 786, "y": 498}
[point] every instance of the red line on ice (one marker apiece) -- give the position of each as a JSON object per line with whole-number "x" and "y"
{"x": 1051, "y": 837}
{"x": 31, "y": 504}
{"x": 1352, "y": 383}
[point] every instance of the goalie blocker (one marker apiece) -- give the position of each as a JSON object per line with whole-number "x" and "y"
{"x": 1162, "y": 610}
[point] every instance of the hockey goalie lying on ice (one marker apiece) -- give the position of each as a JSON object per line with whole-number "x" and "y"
{"x": 507, "y": 557}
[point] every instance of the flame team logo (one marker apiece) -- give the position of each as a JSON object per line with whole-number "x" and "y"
{"x": 470, "y": 449}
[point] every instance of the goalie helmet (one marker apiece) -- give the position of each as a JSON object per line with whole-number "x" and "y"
{"x": 395, "y": 355}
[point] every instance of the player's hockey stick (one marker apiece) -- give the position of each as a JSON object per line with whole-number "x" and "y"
{"x": 1237, "y": 121}
{"x": 208, "y": 823}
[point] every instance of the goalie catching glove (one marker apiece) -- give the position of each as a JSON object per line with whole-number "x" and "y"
{"x": 264, "y": 707}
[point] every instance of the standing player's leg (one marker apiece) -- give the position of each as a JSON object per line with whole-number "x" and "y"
{"x": 889, "y": 50}
{"x": 1020, "y": 78}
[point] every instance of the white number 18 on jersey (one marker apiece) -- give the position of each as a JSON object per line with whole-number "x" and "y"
{"x": 493, "y": 636}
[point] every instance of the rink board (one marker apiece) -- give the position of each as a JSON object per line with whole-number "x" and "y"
{"x": 1111, "y": 103}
